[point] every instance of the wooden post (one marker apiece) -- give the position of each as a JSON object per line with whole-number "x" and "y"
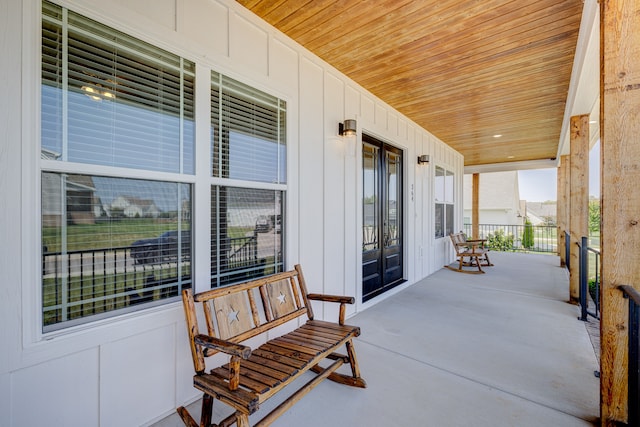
{"x": 475, "y": 207}
{"x": 619, "y": 195}
{"x": 562, "y": 206}
{"x": 579, "y": 198}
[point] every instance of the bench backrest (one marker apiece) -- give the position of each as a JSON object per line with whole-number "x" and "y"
{"x": 238, "y": 312}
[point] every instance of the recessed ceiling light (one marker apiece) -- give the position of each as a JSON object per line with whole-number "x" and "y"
{"x": 511, "y": 157}
{"x": 497, "y": 135}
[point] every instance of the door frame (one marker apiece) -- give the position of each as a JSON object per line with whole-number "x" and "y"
{"x": 384, "y": 290}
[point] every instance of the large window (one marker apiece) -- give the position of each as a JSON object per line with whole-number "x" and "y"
{"x": 247, "y": 197}
{"x": 112, "y": 243}
{"x": 444, "y": 202}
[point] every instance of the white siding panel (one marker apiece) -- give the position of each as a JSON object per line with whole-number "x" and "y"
{"x": 368, "y": 109}
{"x": 162, "y": 12}
{"x": 382, "y": 123}
{"x": 249, "y": 45}
{"x": 351, "y": 103}
{"x": 61, "y": 392}
{"x": 138, "y": 378}
{"x": 310, "y": 174}
{"x": 334, "y": 195}
{"x": 283, "y": 66}
{"x": 10, "y": 186}
{"x": 207, "y": 22}
{"x": 392, "y": 126}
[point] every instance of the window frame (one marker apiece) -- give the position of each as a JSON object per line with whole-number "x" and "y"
{"x": 44, "y": 165}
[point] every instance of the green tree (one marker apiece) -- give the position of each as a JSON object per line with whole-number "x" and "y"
{"x": 594, "y": 216}
{"x": 527, "y": 236}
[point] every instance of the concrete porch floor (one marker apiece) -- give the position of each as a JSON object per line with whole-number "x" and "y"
{"x": 498, "y": 349}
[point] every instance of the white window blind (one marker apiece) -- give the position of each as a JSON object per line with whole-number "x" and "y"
{"x": 248, "y": 132}
{"x": 111, "y": 99}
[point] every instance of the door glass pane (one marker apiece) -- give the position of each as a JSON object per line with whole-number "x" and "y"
{"x": 393, "y": 208}
{"x": 370, "y": 197}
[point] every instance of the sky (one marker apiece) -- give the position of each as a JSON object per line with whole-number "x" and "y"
{"x": 540, "y": 185}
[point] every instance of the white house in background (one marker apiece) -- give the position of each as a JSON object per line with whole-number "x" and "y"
{"x": 499, "y": 199}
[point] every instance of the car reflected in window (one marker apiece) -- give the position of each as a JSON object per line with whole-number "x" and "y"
{"x": 162, "y": 248}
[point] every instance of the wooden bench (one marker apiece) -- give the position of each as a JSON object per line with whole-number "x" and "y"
{"x": 469, "y": 253}
{"x": 236, "y": 313}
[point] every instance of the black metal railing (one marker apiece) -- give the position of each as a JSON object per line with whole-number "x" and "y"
{"x": 585, "y": 290}
{"x": 634, "y": 354}
{"x": 82, "y": 283}
{"x": 510, "y": 238}
{"x": 567, "y": 250}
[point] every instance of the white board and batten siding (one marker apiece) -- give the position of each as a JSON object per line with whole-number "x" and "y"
{"x": 135, "y": 369}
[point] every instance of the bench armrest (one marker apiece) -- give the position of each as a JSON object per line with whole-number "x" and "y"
{"x": 334, "y": 298}
{"x": 230, "y": 348}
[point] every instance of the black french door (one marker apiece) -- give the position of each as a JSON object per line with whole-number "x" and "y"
{"x": 382, "y": 208}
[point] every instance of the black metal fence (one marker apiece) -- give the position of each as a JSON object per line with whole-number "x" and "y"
{"x": 633, "y": 354}
{"x": 77, "y": 284}
{"x": 525, "y": 238}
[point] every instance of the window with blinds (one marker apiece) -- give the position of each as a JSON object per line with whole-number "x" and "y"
{"x": 444, "y": 202}
{"x": 110, "y": 99}
{"x": 248, "y": 132}
{"x": 112, "y": 244}
{"x": 248, "y": 146}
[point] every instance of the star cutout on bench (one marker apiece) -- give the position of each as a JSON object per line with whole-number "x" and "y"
{"x": 282, "y": 298}
{"x": 232, "y": 316}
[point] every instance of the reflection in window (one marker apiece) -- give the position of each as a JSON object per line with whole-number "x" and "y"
{"x": 109, "y": 244}
{"x": 370, "y": 212}
{"x": 110, "y": 99}
{"x": 246, "y": 234}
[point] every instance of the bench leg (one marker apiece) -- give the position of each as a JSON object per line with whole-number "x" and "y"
{"x": 205, "y": 414}
{"x": 354, "y": 380}
{"x": 355, "y": 368}
{"x": 242, "y": 420}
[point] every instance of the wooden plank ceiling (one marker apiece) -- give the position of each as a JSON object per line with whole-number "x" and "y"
{"x": 465, "y": 70}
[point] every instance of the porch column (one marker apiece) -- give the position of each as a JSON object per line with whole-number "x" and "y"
{"x": 619, "y": 195}
{"x": 562, "y": 206}
{"x": 578, "y": 198}
{"x": 475, "y": 207}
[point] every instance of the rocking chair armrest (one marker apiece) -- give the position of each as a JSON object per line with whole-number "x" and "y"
{"x": 482, "y": 241}
{"x": 230, "y": 348}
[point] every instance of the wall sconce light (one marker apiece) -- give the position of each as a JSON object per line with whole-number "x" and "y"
{"x": 423, "y": 159}
{"x": 348, "y": 128}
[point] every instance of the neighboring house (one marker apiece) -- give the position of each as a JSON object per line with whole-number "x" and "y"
{"x": 81, "y": 200}
{"x": 133, "y": 207}
{"x": 499, "y": 199}
{"x": 542, "y": 213}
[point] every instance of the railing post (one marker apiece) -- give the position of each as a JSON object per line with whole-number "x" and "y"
{"x": 634, "y": 363}
{"x": 583, "y": 279}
